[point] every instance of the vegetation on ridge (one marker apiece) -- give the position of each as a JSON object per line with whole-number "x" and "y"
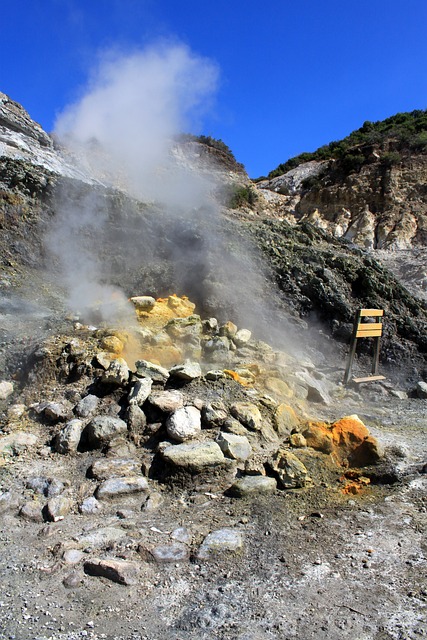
{"x": 407, "y": 130}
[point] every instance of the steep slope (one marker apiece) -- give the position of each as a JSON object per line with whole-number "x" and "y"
{"x": 370, "y": 189}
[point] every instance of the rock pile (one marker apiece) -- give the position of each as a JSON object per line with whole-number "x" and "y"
{"x": 222, "y": 418}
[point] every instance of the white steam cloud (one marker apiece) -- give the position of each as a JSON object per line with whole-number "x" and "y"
{"x": 135, "y": 106}
{"x": 123, "y": 132}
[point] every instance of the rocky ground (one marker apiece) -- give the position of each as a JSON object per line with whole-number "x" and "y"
{"x": 211, "y": 501}
{"x": 182, "y": 477}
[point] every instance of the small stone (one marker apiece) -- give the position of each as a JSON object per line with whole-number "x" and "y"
{"x": 140, "y": 391}
{"x": 119, "y": 571}
{"x": 248, "y": 414}
{"x": 221, "y": 542}
{"x": 213, "y": 415}
{"x": 103, "y": 359}
{"x": 6, "y": 389}
{"x": 242, "y": 337}
{"x": 148, "y": 369}
{"x": 143, "y": 303}
{"x": 194, "y": 457}
{"x": 90, "y": 506}
{"x": 121, "y": 486}
{"x": 297, "y": 440}
{"x": 251, "y": 485}
{"x": 284, "y": 420}
{"x": 289, "y": 469}
{"x": 16, "y": 411}
{"x": 72, "y": 556}
{"x": 8, "y": 501}
{"x": 117, "y": 373}
{"x": 184, "y": 424}
{"x": 54, "y": 488}
{"x": 112, "y": 344}
{"x": 421, "y": 389}
{"x": 16, "y": 443}
{"x": 86, "y": 406}
{"x": 215, "y": 374}
{"x": 31, "y": 511}
{"x": 72, "y": 580}
{"x": 153, "y": 502}
{"x": 234, "y": 446}
{"x": 167, "y": 401}
{"x": 181, "y": 534}
{"x": 113, "y": 468}
{"x": 228, "y": 329}
{"x": 170, "y": 553}
{"x": 57, "y": 508}
{"x": 53, "y": 411}
{"x": 68, "y": 439}
{"x": 187, "y": 371}
{"x": 101, "y": 537}
{"x": 102, "y": 429}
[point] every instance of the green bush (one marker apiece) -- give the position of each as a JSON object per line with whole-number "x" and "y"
{"x": 240, "y": 195}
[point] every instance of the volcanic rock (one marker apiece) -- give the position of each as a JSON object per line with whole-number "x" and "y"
{"x": 147, "y": 369}
{"x": 187, "y": 371}
{"x": 184, "y": 424}
{"x": 422, "y": 389}
{"x": 117, "y": 373}
{"x": 119, "y": 486}
{"x": 120, "y": 571}
{"x": 57, "y": 508}
{"x": 284, "y": 420}
{"x": 194, "y": 457}
{"x": 170, "y": 553}
{"x": 86, "y": 406}
{"x": 68, "y": 439}
{"x": 248, "y": 414}
{"x": 6, "y": 389}
{"x": 90, "y": 506}
{"x": 113, "y": 468}
{"x": 140, "y": 391}
{"x": 234, "y": 446}
{"x": 221, "y": 542}
{"x": 167, "y": 401}
{"x": 252, "y": 485}
{"x": 289, "y": 470}
{"x": 103, "y": 429}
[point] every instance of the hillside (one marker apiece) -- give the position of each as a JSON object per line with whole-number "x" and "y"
{"x": 179, "y": 456}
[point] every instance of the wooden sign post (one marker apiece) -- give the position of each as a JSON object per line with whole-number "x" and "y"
{"x": 366, "y": 330}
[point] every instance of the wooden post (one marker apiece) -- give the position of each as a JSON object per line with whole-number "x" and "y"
{"x": 365, "y": 330}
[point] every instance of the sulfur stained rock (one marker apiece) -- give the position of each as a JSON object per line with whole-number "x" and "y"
{"x": 348, "y": 439}
{"x": 143, "y": 303}
{"x": 112, "y": 344}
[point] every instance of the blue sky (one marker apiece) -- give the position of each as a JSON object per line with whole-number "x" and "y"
{"x": 293, "y": 74}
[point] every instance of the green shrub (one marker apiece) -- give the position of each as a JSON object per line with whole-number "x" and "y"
{"x": 240, "y": 195}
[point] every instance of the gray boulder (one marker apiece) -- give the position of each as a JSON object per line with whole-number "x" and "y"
{"x": 103, "y": 429}
{"x": 194, "y": 457}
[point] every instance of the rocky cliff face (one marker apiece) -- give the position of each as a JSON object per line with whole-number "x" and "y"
{"x": 383, "y": 206}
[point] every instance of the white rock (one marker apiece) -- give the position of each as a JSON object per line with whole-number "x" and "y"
{"x": 184, "y": 424}
{"x": 6, "y": 389}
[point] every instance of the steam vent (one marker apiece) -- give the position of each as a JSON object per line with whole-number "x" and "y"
{"x": 194, "y": 467}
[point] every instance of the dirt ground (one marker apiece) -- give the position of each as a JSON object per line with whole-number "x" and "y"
{"x": 315, "y": 563}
